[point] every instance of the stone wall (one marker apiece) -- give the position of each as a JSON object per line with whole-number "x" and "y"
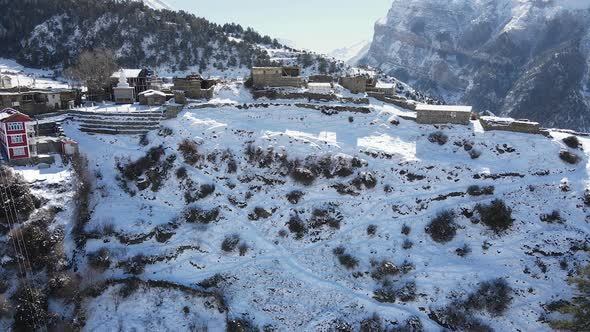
{"x": 439, "y": 117}
{"x": 516, "y": 126}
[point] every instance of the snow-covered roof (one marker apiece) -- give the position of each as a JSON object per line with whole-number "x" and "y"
{"x": 507, "y": 120}
{"x": 319, "y": 85}
{"x": 385, "y": 85}
{"x": 148, "y": 93}
{"x": 129, "y": 73}
{"x": 9, "y": 112}
{"x": 444, "y": 108}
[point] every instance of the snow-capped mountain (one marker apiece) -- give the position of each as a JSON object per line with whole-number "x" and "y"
{"x": 523, "y": 58}
{"x": 352, "y": 53}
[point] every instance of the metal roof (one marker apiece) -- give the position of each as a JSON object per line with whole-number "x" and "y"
{"x": 129, "y": 73}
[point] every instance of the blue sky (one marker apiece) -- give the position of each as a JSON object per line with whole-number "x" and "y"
{"x": 319, "y": 25}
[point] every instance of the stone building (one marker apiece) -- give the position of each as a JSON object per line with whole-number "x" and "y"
{"x": 153, "y": 98}
{"x": 508, "y": 124}
{"x": 277, "y": 77}
{"x": 194, "y": 86}
{"x": 123, "y": 93}
{"x": 440, "y": 114}
{"x": 356, "y": 84}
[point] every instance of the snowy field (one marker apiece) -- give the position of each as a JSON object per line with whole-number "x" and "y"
{"x": 296, "y": 282}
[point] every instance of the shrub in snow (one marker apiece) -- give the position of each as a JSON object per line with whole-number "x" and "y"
{"x": 442, "y": 228}
{"x": 456, "y": 318}
{"x": 303, "y": 175}
{"x": 295, "y": 196}
{"x": 64, "y": 285}
{"x": 476, "y": 190}
{"x": 390, "y": 294}
{"x": 325, "y": 216}
{"x": 406, "y": 230}
{"x": 438, "y": 137}
{"x": 366, "y": 179}
{"x": 206, "y": 190}
{"x": 553, "y": 217}
{"x": 181, "y": 172}
{"x": 371, "y": 230}
{"x": 100, "y": 260}
{"x": 43, "y": 245}
{"x": 297, "y": 226}
{"x": 383, "y": 269}
{"x": 587, "y": 197}
{"x": 243, "y": 249}
{"x": 259, "y": 213}
{"x": 407, "y": 244}
{"x": 572, "y": 141}
{"x": 230, "y": 243}
{"x": 232, "y": 166}
{"x": 135, "y": 265}
{"x": 463, "y": 251}
{"x": 30, "y": 305}
{"x": 165, "y": 131}
{"x": 495, "y": 215}
{"x": 372, "y": 324}
{"x": 212, "y": 282}
{"x": 492, "y": 296}
{"x": 350, "y": 119}
{"x": 241, "y": 325}
{"x": 345, "y": 259}
{"x": 190, "y": 151}
{"x": 569, "y": 157}
{"x": 197, "y": 215}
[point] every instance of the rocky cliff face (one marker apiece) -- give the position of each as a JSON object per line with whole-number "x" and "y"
{"x": 522, "y": 58}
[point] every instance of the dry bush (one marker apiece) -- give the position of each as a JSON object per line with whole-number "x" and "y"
{"x": 230, "y": 242}
{"x": 345, "y": 259}
{"x": 181, "y": 172}
{"x": 492, "y": 296}
{"x": 442, "y": 228}
{"x": 572, "y": 141}
{"x": 295, "y": 196}
{"x": 553, "y": 217}
{"x": 364, "y": 179}
{"x": 438, "y": 137}
{"x": 371, "y": 230}
{"x": 297, "y": 226}
{"x": 198, "y": 215}
{"x": 100, "y": 260}
{"x": 569, "y": 157}
{"x": 496, "y": 215}
{"x": 30, "y": 305}
{"x": 475, "y": 190}
{"x": 190, "y": 151}
{"x": 303, "y": 175}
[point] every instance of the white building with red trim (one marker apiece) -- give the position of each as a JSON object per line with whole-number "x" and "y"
{"x": 17, "y": 135}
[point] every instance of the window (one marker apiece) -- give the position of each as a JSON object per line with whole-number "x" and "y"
{"x": 16, "y": 139}
{"x": 18, "y": 152}
{"x": 14, "y": 126}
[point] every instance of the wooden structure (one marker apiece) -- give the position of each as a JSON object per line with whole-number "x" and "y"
{"x": 194, "y": 86}
{"x": 277, "y": 77}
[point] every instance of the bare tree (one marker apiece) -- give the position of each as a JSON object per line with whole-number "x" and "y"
{"x": 93, "y": 68}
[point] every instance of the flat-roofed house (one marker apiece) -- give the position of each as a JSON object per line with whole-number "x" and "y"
{"x": 440, "y": 114}
{"x": 277, "y": 77}
{"x": 152, "y": 98}
{"x": 194, "y": 86}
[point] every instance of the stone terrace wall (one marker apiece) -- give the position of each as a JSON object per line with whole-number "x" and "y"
{"x": 437, "y": 117}
{"x": 489, "y": 124}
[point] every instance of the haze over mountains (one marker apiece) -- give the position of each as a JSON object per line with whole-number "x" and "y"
{"x": 525, "y": 59}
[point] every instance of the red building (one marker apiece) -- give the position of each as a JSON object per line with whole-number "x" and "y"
{"x": 17, "y": 134}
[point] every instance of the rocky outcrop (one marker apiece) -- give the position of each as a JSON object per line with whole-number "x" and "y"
{"x": 524, "y": 59}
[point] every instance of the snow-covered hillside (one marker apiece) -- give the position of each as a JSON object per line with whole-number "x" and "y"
{"x": 306, "y": 220}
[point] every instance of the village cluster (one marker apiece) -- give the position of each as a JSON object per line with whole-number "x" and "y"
{"x": 30, "y": 132}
